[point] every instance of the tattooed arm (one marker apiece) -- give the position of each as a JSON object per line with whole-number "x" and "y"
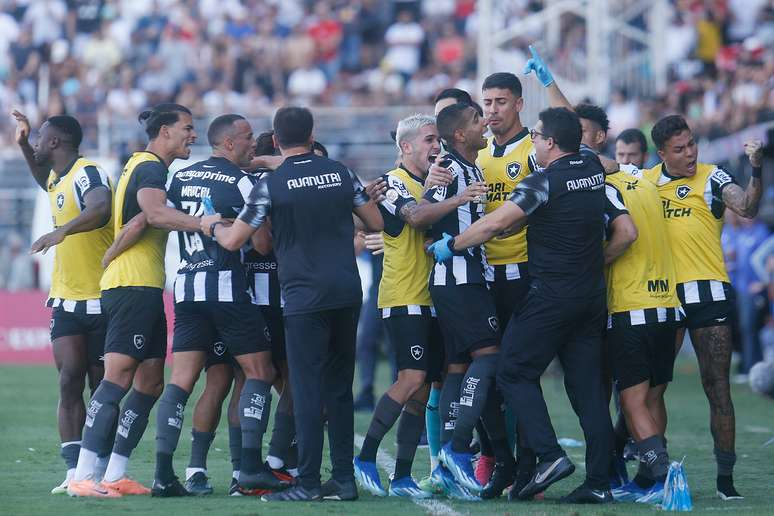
{"x": 746, "y": 202}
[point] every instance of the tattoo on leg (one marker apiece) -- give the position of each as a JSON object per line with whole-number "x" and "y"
{"x": 713, "y": 351}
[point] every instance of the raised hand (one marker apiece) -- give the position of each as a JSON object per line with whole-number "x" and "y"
{"x": 754, "y": 151}
{"x": 537, "y": 64}
{"x": 22, "y": 127}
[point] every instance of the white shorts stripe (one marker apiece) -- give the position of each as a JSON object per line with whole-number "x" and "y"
{"x": 200, "y": 292}
{"x": 439, "y": 275}
{"x": 225, "y": 289}
{"x": 385, "y": 312}
{"x": 261, "y": 293}
{"x": 57, "y": 302}
{"x": 716, "y": 288}
{"x": 93, "y": 307}
{"x": 661, "y": 313}
{"x": 414, "y": 310}
{"x": 691, "y": 289}
{"x": 460, "y": 269}
{"x": 68, "y": 305}
{"x": 637, "y": 317}
{"x": 512, "y": 271}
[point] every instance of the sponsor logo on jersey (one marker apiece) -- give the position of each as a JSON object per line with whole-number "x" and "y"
{"x": 658, "y": 285}
{"x": 320, "y": 181}
{"x": 417, "y": 352}
{"x": 632, "y": 185}
{"x": 586, "y": 183}
{"x": 208, "y": 175}
{"x": 139, "y": 341}
{"x": 682, "y": 191}
{"x": 83, "y": 181}
{"x": 60, "y": 200}
{"x": 391, "y": 195}
{"x": 195, "y": 191}
{"x": 670, "y": 212}
{"x": 513, "y": 169}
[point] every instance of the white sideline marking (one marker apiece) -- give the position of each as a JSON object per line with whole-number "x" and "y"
{"x": 387, "y": 464}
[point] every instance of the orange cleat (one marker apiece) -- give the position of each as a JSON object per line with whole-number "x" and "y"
{"x": 91, "y": 488}
{"x": 127, "y": 486}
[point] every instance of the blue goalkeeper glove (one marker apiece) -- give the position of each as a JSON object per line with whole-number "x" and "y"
{"x": 442, "y": 249}
{"x": 541, "y": 69}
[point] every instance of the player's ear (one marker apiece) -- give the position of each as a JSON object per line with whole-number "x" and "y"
{"x": 661, "y": 154}
{"x": 519, "y": 104}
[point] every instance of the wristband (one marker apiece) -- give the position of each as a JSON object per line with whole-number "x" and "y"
{"x": 756, "y": 172}
{"x": 450, "y": 245}
{"x": 212, "y": 228}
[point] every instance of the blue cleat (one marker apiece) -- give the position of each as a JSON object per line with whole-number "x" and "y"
{"x": 368, "y": 477}
{"x": 450, "y": 487}
{"x": 654, "y": 495}
{"x": 629, "y": 492}
{"x": 406, "y": 487}
{"x": 461, "y": 466}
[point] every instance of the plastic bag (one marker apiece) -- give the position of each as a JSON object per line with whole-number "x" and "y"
{"x": 677, "y": 495}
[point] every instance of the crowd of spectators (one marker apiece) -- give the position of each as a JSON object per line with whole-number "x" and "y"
{"x": 118, "y": 56}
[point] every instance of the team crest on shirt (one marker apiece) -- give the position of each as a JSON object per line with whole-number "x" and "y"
{"x": 493, "y": 323}
{"x": 391, "y": 195}
{"x": 513, "y": 169}
{"x": 632, "y": 185}
{"x": 60, "y": 201}
{"x": 417, "y": 352}
{"x": 219, "y": 348}
{"x": 139, "y": 341}
{"x": 683, "y": 191}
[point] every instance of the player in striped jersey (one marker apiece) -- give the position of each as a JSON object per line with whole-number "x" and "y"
{"x": 80, "y": 195}
{"x": 643, "y": 313}
{"x": 694, "y": 196}
{"x": 212, "y": 299}
{"x": 463, "y": 303}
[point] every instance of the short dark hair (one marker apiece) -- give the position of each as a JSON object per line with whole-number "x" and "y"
{"x": 666, "y": 128}
{"x": 633, "y": 135}
{"x": 265, "y": 144}
{"x": 594, "y": 113}
{"x": 166, "y": 113}
{"x": 293, "y": 126}
{"x": 450, "y": 119}
{"x": 456, "y": 94}
{"x": 69, "y": 126}
{"x": 505, "y": 81}
{"x": 563, "y": 126}
{"x": 219, "y": 127}
{"x": 319, "y": 147}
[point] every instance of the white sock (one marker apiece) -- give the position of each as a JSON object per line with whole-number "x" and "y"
{"x": 87, "y": 459}
{"x": 293, "y": 472}
{"x": 433, "y": 463}
{"x": 275, "y": 462}
{"x": 116, "y": 468}
{"x": 70, "y": 474}
{"x": 235, "y": 474}
{"x": 189, "y": 472}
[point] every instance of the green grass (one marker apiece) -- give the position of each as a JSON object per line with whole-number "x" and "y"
{"x": 30, "y": 465}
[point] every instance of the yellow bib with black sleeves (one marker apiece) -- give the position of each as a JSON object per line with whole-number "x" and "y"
{"x": 503, "y": 167}
{"x": 406, "y": 264}
{"x": 78, "y": 259}
{"x": 693, "y": 210}
{"x": 142, "y": 264}
{"x": 644, "y": 275}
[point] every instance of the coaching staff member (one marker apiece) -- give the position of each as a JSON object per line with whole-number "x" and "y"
{"x": 310, "y": 200}
{"x": 565, "y": 311}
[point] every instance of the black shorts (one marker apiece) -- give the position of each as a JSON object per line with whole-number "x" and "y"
{"x": 91, "y": 326}
{"x": 640, "y": 353}
{"x": 509, "y": 292}
{"x": 707, "y": 303}
{"x": 136, "y": 322}
{"x": 467, "y": 317}
{"x": 200, "y": 324}
{"x": 274, "y": 332}
{"x": 417, "y": 342}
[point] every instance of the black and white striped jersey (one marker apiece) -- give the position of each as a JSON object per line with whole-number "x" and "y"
{"x": 262, "y": 275}
{"x": 471, "y": 266}
{"x": 207, "y": 272}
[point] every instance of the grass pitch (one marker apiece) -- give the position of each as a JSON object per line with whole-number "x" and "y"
{"x": 30, "y": 464}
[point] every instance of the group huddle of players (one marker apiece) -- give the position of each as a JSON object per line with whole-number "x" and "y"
{"x": 501, "y": 253}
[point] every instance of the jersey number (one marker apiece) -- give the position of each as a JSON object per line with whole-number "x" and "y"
{"x": 193, "y": 241}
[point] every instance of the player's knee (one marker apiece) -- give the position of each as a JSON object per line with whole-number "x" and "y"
{"x": 411, "y": 380}
{"x": 71, "y": 384}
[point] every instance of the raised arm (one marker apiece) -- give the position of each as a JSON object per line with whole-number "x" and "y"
{"x": 746, "y": 202}
{"x": 423, "y": 214}
{"x": 39, "y": 173}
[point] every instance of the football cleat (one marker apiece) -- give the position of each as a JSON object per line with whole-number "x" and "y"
{"x": 368, "y": 477}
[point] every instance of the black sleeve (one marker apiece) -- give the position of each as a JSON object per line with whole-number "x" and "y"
{"x": 441, "y": 193}
{"x": 719, "y": 180}
{"x": 258, "y": 204}
{"x": 150, "y": 174}
{"x": 361, "y": 197}
{"x": 531, "y": 193}
{"x": 396, "y": 196}
{"x": 614, "y": 204}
